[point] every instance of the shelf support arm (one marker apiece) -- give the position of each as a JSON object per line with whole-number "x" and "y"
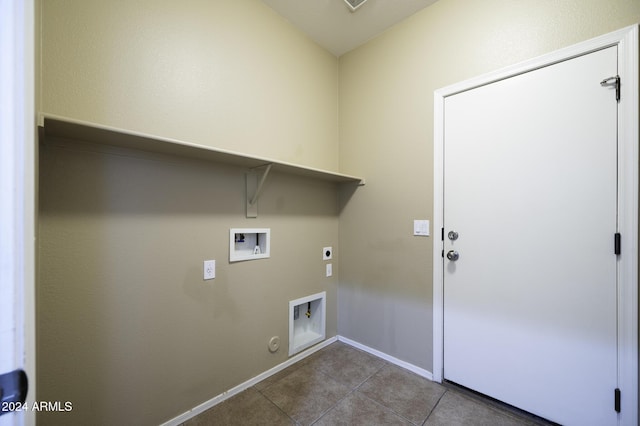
{"x": 259, "y": 188}
{"x": 255, "y": 187}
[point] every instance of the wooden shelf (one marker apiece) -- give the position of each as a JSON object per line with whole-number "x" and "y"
{"x": 67, "y": 128}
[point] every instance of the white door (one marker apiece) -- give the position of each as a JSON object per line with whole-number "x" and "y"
{"x": 530, "y": 179}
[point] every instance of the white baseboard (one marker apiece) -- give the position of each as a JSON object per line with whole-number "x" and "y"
{"x": 393, "y": 360}
{"x": 243, "y": 386}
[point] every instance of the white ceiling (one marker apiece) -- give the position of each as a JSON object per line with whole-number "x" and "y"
{"x": 333, "y": 26}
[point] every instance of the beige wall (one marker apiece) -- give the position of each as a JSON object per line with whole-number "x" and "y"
{"x": 127, "y": 329}
{"x": 386, "y": 135}
{"x": 226, "y": 73}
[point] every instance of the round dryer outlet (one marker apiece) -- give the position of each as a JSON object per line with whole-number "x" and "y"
{"x": 274, "y": 344}
{"x": 327, "y": 252}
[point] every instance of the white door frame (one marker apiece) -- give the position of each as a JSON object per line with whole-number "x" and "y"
{"x": 627, "y": 41}
{"x": 17, "y": 194}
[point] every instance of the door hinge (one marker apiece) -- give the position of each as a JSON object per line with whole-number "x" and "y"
{"x": 442, "y": 234}
{"x": 617, "y": 243}
{"x": 13, "y": 388}
{"x": 616, "y": 402}
{"x": 613, "y": 80}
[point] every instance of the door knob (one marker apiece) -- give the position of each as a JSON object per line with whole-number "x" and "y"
{"x": 453, "y": 255}
{"x": 453, "y": 235}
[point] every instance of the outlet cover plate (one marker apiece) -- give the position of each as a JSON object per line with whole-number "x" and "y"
{"x": 209, "y": 269}
{"x": 327, "y": 253}
{"x": 421, "y": 228}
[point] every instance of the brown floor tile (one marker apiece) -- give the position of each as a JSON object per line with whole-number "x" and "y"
{"x": 455, "y": 409}
{"x": 306, "y": 394}
{"x": 341, "y": 385}
{"x": 247, "y": 408}
{"x": 272, "y": 379}
{"x": 407, "y": 394}
{"x": 346, "y": 364}
{"x": 279, "y": 375}
{"x": 358, "y": 410}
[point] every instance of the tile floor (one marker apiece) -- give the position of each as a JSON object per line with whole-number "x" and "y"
{"x": 341, "y": 385}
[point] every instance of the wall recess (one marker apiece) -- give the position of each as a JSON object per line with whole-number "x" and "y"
{"x": 249, "y": 244}
{"x": 307, "y": 322}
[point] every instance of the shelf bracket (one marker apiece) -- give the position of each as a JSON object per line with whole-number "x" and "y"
{"x": 254, "y": 186}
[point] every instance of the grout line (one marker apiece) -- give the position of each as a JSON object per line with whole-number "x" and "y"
{"x": 386, "y": 408}
{"x": 316, "y": 370}
{"x": 277, "y": 406}
{"x": 435, "y": 405}
{"x": 353, "y": 389}
{"x": 384, "y": 364}
{"x": 338, "y": 401}
{"x": 325, "y": 412}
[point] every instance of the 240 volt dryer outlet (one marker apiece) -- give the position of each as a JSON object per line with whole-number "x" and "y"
{"x": 327, "y": 253}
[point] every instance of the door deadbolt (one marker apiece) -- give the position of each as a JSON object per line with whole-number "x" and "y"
{"x": 453, "y": 235}
{"x": 453, "y": 255}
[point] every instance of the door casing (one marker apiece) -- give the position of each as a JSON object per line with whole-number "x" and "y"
{"x": 628, "y": 138}
{"x": 17, "y": 162}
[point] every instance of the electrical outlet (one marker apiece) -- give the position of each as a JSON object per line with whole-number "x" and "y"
{"x": 327, "y": 252}
{"x": 209, "y": 269}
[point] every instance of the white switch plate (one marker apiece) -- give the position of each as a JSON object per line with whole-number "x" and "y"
{"x": 329, "y": 270}
{"x": 421, "y": 228}
{"x": 209, "y": 269}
